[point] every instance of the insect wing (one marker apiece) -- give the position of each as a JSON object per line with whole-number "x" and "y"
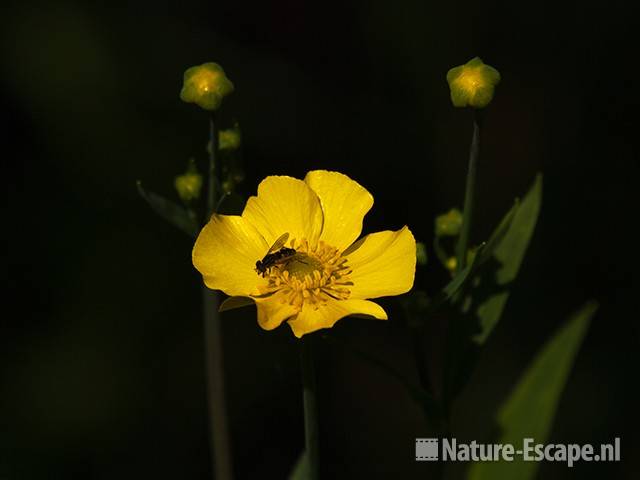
{"x": 279, "y": 243}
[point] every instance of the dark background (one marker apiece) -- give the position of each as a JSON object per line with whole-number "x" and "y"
{"x": 101, "y": 356}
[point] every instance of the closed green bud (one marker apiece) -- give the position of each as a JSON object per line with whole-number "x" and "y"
{"x": 229, "y": 139}
{"x": 205, "y": 85}
{"x": 189, "y": 184}
{"x": 449, "y": 224}
{"x": 421, "y": 253}
{"x": 472, "y": 84}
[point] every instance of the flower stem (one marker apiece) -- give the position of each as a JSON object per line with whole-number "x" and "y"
{"x": 219, "y": 436}
{"x": 212, "y": 193}
{"x": 310, "y": 400}
{"x": 463, "y": 241}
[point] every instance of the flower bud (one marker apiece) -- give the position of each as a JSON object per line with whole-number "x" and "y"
{"x": 229, "y": 139}
{"x": 472, "y": 84}
{"x": 449, "y": 224}
{"x": 421, "y": 253}
{"x": 452, "y": 264}
{"x": 189, "y": 184}
{"x": 205, "y": 85}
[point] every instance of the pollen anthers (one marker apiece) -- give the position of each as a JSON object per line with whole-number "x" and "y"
{"x": 314, "y": 275}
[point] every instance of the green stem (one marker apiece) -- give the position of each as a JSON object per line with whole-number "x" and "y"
{"x": 463, "y": 241}
{"x": 440, "y": 252}
{"x": 219, "y": 442}
{"x": 310, "y": 400}
{"x": 212, "y": 197}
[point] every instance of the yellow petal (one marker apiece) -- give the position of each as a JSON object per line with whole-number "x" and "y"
{"x": 226, "y": 252}
{"x": 273, "y": 310}
{"x": 311, "y": 319}
{"x": 285, "y": 205}
{"x": 344, "y": 205}
{"x": 384, "y": 264}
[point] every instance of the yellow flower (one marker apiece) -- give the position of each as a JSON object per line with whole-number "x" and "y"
{"x": 472, "y": 84}
{"x": 329, "y": 277}
{"x": 205, "y": 85}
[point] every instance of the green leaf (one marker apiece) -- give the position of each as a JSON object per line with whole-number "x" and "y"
{"x": 301, "y": 470}
{"x": 457, "y": 283}
{"x": 483, "y": 305}
{"x": 235, "y": 302}
{"x": 508, "y": 246}
{"x": 530, "y": 408}
{"x": 461, "y": 278}
{"x": 173, "y": 213}
{"x": 499, "y": 233}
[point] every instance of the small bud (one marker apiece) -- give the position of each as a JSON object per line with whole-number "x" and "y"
{"x": 205, "y": 85}
{"x": 229, "y": 139}
{"x": 449, "y": 224}
{"x": 228, "y": 186}
{"x": 472, "y": 84}
{"x": 421, "y": 253}
{"x": 189, "y": 184}
{"x": 452, "y": 264}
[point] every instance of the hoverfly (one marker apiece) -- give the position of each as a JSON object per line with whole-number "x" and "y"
{"x": 276, "y": 255}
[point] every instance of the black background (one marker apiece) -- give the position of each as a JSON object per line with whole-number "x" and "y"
{"x": 101, "y": 355}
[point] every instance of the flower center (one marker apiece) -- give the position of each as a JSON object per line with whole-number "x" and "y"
{"x": 314, "y": 275}
{"x": 301, "y": 265}
{"x": 470, "y": 80}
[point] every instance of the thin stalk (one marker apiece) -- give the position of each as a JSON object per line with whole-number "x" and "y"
{"x": 440, "y": 252}
{"x": 310, "y": 400}
{"x": 220, "y": 449}
{"x": 463, "y": 241}
{"x": 212, "y": 193}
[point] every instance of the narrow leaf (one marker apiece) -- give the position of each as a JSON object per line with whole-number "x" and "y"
{"x": 499, "y": 233}
{"x": 508, "y": 251}
{"x": 457, "y": 283}
{"x": 483, "y": 305}
{"x": 529, "y": 410}
{"x": 301, "y": 470}
{"x": 173, "y": 213}
{"x": 462, "y": 277}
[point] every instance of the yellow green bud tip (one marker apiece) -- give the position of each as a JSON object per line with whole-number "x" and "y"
{"x": 189, "y": 184}
{"x": 472, "y": 84}
{"x": 452, "y": 264}
{"x": 421, "y": 253}
{"x": 205, "y": 85}
{"x": 449, "y": 224}
{"x": 229, "y": 139}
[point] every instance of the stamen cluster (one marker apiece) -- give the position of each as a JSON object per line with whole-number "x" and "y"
{"x": 314, "y": 275}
